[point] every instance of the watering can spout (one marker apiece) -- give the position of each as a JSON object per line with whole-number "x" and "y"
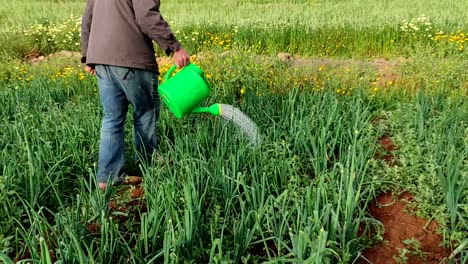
{"x": 214, "y": 109}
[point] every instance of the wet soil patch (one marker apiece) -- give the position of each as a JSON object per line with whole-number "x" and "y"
{"x": 386, "y": 152}
{"x": 407, "y": 237}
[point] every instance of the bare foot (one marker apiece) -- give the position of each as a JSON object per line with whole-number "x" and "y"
{"x": 102, "y": 186}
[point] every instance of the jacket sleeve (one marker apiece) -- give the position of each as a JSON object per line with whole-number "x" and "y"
{"x": 86, "y": 21}
{"x": 152, "y": 23}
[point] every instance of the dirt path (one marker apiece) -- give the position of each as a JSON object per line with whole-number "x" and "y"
{"x": 407, "y": 238}
{"x": 387, "y": 71}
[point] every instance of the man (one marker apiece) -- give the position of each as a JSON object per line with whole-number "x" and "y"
{"x": 117, "y": 47}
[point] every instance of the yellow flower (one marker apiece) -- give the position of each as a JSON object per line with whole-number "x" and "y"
{"x": 242, "y": 91}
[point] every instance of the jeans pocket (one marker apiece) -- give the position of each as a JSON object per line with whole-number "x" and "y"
{"x": 124, "y": 74}
{"x": 98, "y": 72}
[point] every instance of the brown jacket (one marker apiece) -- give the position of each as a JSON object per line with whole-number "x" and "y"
{"x": 120, "y": 33}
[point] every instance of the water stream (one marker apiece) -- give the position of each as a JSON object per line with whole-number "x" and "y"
{"x": 233, "y": 114}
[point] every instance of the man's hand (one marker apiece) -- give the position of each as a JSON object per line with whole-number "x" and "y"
{"x": 90, "y": 70}
{"x": 181, "y": 58}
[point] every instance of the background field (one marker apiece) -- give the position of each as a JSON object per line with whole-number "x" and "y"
{"x": 353, "y": 99}
{"x": 331, "y": 28}
{"x": 314, "y": 14}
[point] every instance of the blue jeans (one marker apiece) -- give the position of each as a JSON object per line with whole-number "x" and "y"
{"x": 119, "y": 87}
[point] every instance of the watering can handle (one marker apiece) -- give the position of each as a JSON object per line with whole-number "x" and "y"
{"x": 169, "y": 72}
{"x": 172, "y": 69}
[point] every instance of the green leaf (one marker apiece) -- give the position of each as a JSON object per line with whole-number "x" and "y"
{"x": 5, "y": 259}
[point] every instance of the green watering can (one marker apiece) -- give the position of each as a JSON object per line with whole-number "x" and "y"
{"x": 185, "y": 91}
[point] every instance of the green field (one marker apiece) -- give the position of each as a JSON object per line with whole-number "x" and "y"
{"x": 325, "y": 81}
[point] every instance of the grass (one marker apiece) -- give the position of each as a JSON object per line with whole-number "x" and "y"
{"x": 329, "y": 28}
{"x": 301, "y": 196}
{"x": 438, "y": 129}
{"x": 208, "y": 176}
{"x": 312, "y": 14}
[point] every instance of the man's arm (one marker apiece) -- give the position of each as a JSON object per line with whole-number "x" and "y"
{"x": 152, "y": 24}
{"x": 86, "y": 22}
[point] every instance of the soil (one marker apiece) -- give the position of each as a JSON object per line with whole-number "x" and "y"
{"x": 387, "y": 71}
{"x": 93, "y": 228}
{"x": 136, "y": 193}
{"x": 400, "y": 225}
{"x": 259, "y": 249}
{"x": 388, "y": 147}
{"x": 38, "y": 57}
{"x": 33, "y": 55}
